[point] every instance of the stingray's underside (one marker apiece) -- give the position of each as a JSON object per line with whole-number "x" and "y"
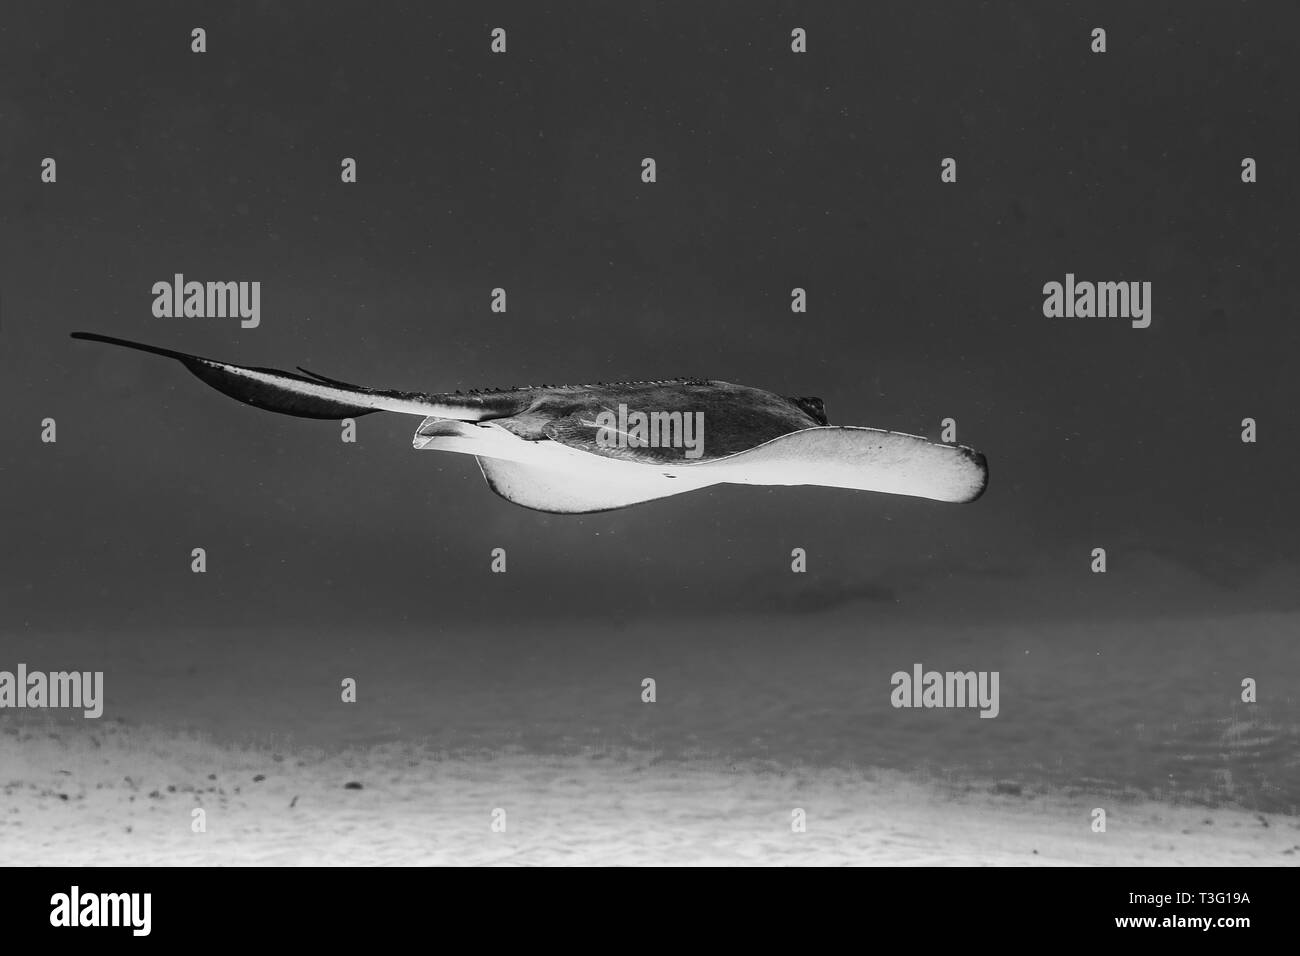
{"x": 549, "y": 476}
{"x": 571, "y": 449}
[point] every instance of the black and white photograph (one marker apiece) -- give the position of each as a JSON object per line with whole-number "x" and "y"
{"x": 649, "y": 434}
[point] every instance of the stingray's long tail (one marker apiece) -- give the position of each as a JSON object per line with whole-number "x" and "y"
{"x": 308, "y": 395}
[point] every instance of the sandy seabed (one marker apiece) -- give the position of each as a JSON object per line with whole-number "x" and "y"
{"x": 118, "y": 794}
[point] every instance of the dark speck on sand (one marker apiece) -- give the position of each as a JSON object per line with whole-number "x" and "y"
{"x": 352, "y": 785}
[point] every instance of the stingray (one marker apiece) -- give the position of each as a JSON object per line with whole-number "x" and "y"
{"x": 576, "y": 449}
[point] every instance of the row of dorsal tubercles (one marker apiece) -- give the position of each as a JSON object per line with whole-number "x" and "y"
{"x": 525, "y": 388}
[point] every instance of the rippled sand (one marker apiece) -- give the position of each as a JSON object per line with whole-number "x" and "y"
{"x": 112, "y": 793}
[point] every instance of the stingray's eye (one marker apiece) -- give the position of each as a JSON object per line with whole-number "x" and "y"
{"x": 814, "y": 408}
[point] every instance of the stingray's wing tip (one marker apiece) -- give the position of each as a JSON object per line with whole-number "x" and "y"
{"x": 981, "y": 465}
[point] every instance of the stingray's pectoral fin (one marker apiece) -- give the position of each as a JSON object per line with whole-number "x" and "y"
{"x": 286, "y": 392}
{"x": 865, "y": 459}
